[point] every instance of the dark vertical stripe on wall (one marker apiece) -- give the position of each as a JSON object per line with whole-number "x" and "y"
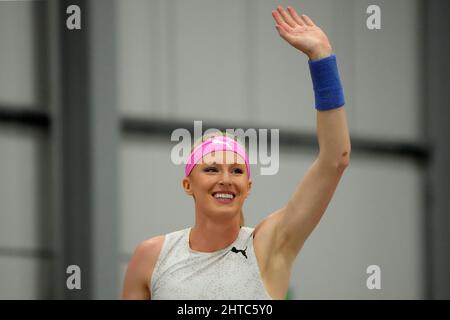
{"x": 103, "y": 143}
{"x": 427, "y": 264}
{"x": 44, "y": 214}
{"x": 40, "y": 44}
{"x": 75, "y": 172}
{"x": 86, "y": 136}
{"x": 437, "y": 84}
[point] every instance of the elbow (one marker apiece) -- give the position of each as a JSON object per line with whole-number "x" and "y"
{"x": 339, "y": 162}
{"x": 344, "y": 160}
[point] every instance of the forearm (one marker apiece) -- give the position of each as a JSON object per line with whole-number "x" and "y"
{"x": 333, "y": 137}
{"x": 332, "y": 129}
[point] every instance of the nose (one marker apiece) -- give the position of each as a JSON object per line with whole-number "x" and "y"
{"x": 225, "y": 178}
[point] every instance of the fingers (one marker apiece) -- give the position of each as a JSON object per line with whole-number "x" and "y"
{"x": 283, "y": 33}
{"x": 280, "y": 21}
{"x": 286, "y": 17}
{"x": 308, "y": 21}
{"x": 295, "y": 16}
{"x": 287, "y": 22}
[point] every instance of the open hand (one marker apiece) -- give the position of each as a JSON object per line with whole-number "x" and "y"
{"x": 302, "y": 33}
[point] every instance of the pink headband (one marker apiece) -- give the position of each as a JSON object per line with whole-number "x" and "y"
{"x": 220, "y": 143}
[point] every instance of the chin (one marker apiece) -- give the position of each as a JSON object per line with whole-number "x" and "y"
{"x": 226, "y": 212}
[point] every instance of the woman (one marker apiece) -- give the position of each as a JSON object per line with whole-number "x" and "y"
{"x": 219, "y": 258}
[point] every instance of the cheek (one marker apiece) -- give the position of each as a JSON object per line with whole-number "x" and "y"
{"x": 204, "y": 182}
{"x": 244, "y": 187}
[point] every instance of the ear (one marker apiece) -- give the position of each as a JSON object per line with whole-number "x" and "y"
{"x": 187, "y": 186}
{"x": 250, "y": 184}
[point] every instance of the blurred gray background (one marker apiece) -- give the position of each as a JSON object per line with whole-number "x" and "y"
{"x": 86, "y": 117}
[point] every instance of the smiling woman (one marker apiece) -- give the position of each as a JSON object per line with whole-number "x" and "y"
{"x": 217, "y": 176}
{"x": 230, "y": 155}
{"x": 219, "y": 257}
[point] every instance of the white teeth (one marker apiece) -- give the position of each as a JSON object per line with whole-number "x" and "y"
{"x": 223, "y": 196}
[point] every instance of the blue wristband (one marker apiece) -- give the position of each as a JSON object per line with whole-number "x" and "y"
{"x": 327, "y": 86}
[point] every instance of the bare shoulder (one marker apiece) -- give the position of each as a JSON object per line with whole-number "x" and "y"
{"x": 140, "y": 268}
{"x": 150, "y": 248}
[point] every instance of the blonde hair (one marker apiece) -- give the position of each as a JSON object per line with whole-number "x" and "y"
{"x": 217, "y": 134}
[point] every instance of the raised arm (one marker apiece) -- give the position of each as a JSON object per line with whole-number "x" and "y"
{"x": 290, "y": 226}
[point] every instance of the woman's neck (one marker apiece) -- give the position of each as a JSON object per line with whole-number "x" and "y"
{"x": 208, "y": 236}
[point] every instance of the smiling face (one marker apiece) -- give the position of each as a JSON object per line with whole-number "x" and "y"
{"x": 219, "y": 184}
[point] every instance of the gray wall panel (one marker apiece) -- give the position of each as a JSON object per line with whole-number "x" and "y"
{"x": 388, "y": 96}
{"x": 22, "y": 50}
{"x": 24, "y": 192}
{"x": 152, "y": 201}
{"x": 25, "y": 278}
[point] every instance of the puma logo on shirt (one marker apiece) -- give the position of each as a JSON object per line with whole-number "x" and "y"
{"x": 241, "y": 251}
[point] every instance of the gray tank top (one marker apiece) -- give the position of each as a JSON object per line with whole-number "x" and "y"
{"x": 232, "y": 273}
